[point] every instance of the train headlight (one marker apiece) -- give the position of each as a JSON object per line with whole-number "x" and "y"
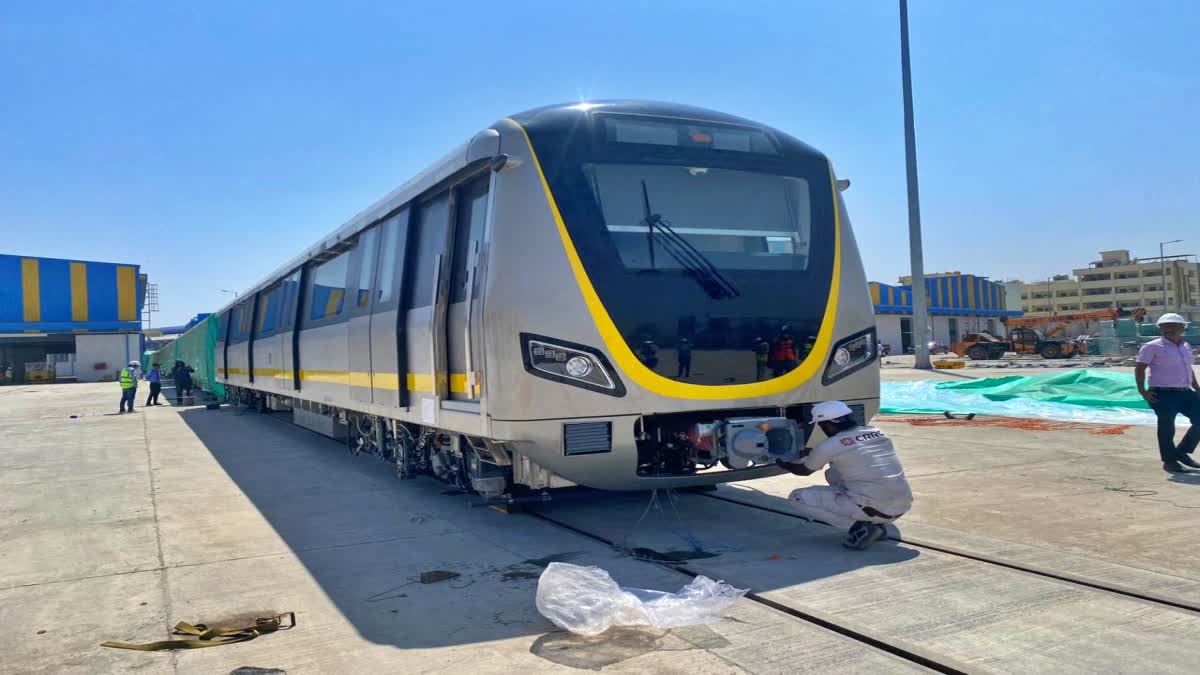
{"x": 569, "y": 363}
{"x": 851, "y": 354}
{"x": 842, "y": 356}
{"x": 578, "y": 366}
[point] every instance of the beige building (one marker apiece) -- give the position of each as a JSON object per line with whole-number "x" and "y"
{"x": 1118, "y": 281}
{"x": 1012, "y": 294}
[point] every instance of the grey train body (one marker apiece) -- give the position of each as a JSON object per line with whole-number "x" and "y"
{"x": 449, "y": 326}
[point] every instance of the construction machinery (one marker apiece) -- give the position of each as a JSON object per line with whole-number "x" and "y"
{"x": 980, "y": 346}
{"x": 1030, "y": 341}
{"x": 1054, "y": 324}
{"x": 1036, "y": 335}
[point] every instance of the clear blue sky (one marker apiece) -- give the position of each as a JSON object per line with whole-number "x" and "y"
{"x": 212, "y": 141}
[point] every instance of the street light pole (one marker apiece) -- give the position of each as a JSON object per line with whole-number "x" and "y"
{"x": 1162, "y": 261}
{"x": 920, "y": 321}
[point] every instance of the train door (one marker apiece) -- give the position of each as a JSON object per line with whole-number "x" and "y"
{"x": 358, "y": 336}
{"x": 424, "y": 303}
{"x": 289, "y": 327}
{"x": 462, "y": 355}
{"x": 251, "y": 312}
{"x": 237, "y": 353}
{"x": 388, "y": 362}
{"x": 223, "y": 343}
{"x": 245, "y": 327}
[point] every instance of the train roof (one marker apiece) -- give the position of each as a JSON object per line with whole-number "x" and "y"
{"x": 565, "y": 116}
{"x": 545, "y": 117}
{"x": 631, "y": 107}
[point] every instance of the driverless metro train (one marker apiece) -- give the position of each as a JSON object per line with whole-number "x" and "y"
{"x": 622, "y": 295}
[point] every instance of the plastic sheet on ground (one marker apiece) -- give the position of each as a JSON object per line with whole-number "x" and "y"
{"x": 1094, "y": 396}
{"x": 586, "y": 601}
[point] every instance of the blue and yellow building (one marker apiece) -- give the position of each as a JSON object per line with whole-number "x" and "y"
{"x": 956, "y": 303}
{"x": 72, "y": 311}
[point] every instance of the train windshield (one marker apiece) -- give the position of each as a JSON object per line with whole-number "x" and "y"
{"x": 737, "y": 220}
{"x": 710, "y": 246}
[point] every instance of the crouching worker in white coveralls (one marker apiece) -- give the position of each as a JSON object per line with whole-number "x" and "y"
{"x": 867, "y": 487}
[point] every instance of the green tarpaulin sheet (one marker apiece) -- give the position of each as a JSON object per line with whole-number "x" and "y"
{"x": 1093, "y": 388}
{"x": 1074, "y": 395}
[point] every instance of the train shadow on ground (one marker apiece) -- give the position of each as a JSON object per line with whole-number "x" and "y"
{"x": 365, "y": 538}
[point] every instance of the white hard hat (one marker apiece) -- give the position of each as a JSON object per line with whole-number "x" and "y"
{"x": 134, "y": 363}
{"x": 1170, "y": 317}
{"x": 830, "y": 410}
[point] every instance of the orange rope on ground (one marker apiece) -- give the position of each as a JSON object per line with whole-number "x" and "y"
{"x": 1016, "y": 423}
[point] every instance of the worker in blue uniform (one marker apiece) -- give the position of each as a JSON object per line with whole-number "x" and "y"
{"x": 154, "y": 377}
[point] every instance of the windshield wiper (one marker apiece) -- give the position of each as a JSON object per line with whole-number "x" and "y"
{"x": 695, "y": 262}
{"x": 688, "y": 256}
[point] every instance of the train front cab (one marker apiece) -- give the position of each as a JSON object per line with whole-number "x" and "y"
{"x": 768, "y": 222}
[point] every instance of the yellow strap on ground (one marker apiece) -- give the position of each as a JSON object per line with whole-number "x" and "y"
{"x": 211, "y": 637}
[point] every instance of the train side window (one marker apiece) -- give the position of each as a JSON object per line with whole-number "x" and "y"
{"x": 289, "y": 290}
{"x": 240, "y": 317}
{"x": 368, "y": 244}
{"x": 245, "y": 320}
{"x": 468, "y": 229}
{"x": 268, "y": 311}
{"x": 327, "y": 288}
{"x": 432, "y": 227}
{"x": 235, "y": 322}
{"x": 391, "y": 256}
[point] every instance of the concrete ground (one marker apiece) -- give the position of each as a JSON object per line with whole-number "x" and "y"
{"x": 116, "y": 527}
{"x": 1092, "y": 490}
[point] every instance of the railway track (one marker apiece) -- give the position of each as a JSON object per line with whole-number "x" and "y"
{"x": 910, "y": 653}
{"x": 878, "y": 639}
{"x": 916, "y": 542}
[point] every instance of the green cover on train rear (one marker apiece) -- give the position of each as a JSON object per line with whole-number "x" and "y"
{"x": 197, "y": 348}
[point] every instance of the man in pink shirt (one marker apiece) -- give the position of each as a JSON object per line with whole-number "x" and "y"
{"x": 1173, "y": 391}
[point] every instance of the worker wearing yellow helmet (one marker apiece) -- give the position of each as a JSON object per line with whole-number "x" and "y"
{"x": 867, "y": 487}
{"x": 128, "y": 378}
